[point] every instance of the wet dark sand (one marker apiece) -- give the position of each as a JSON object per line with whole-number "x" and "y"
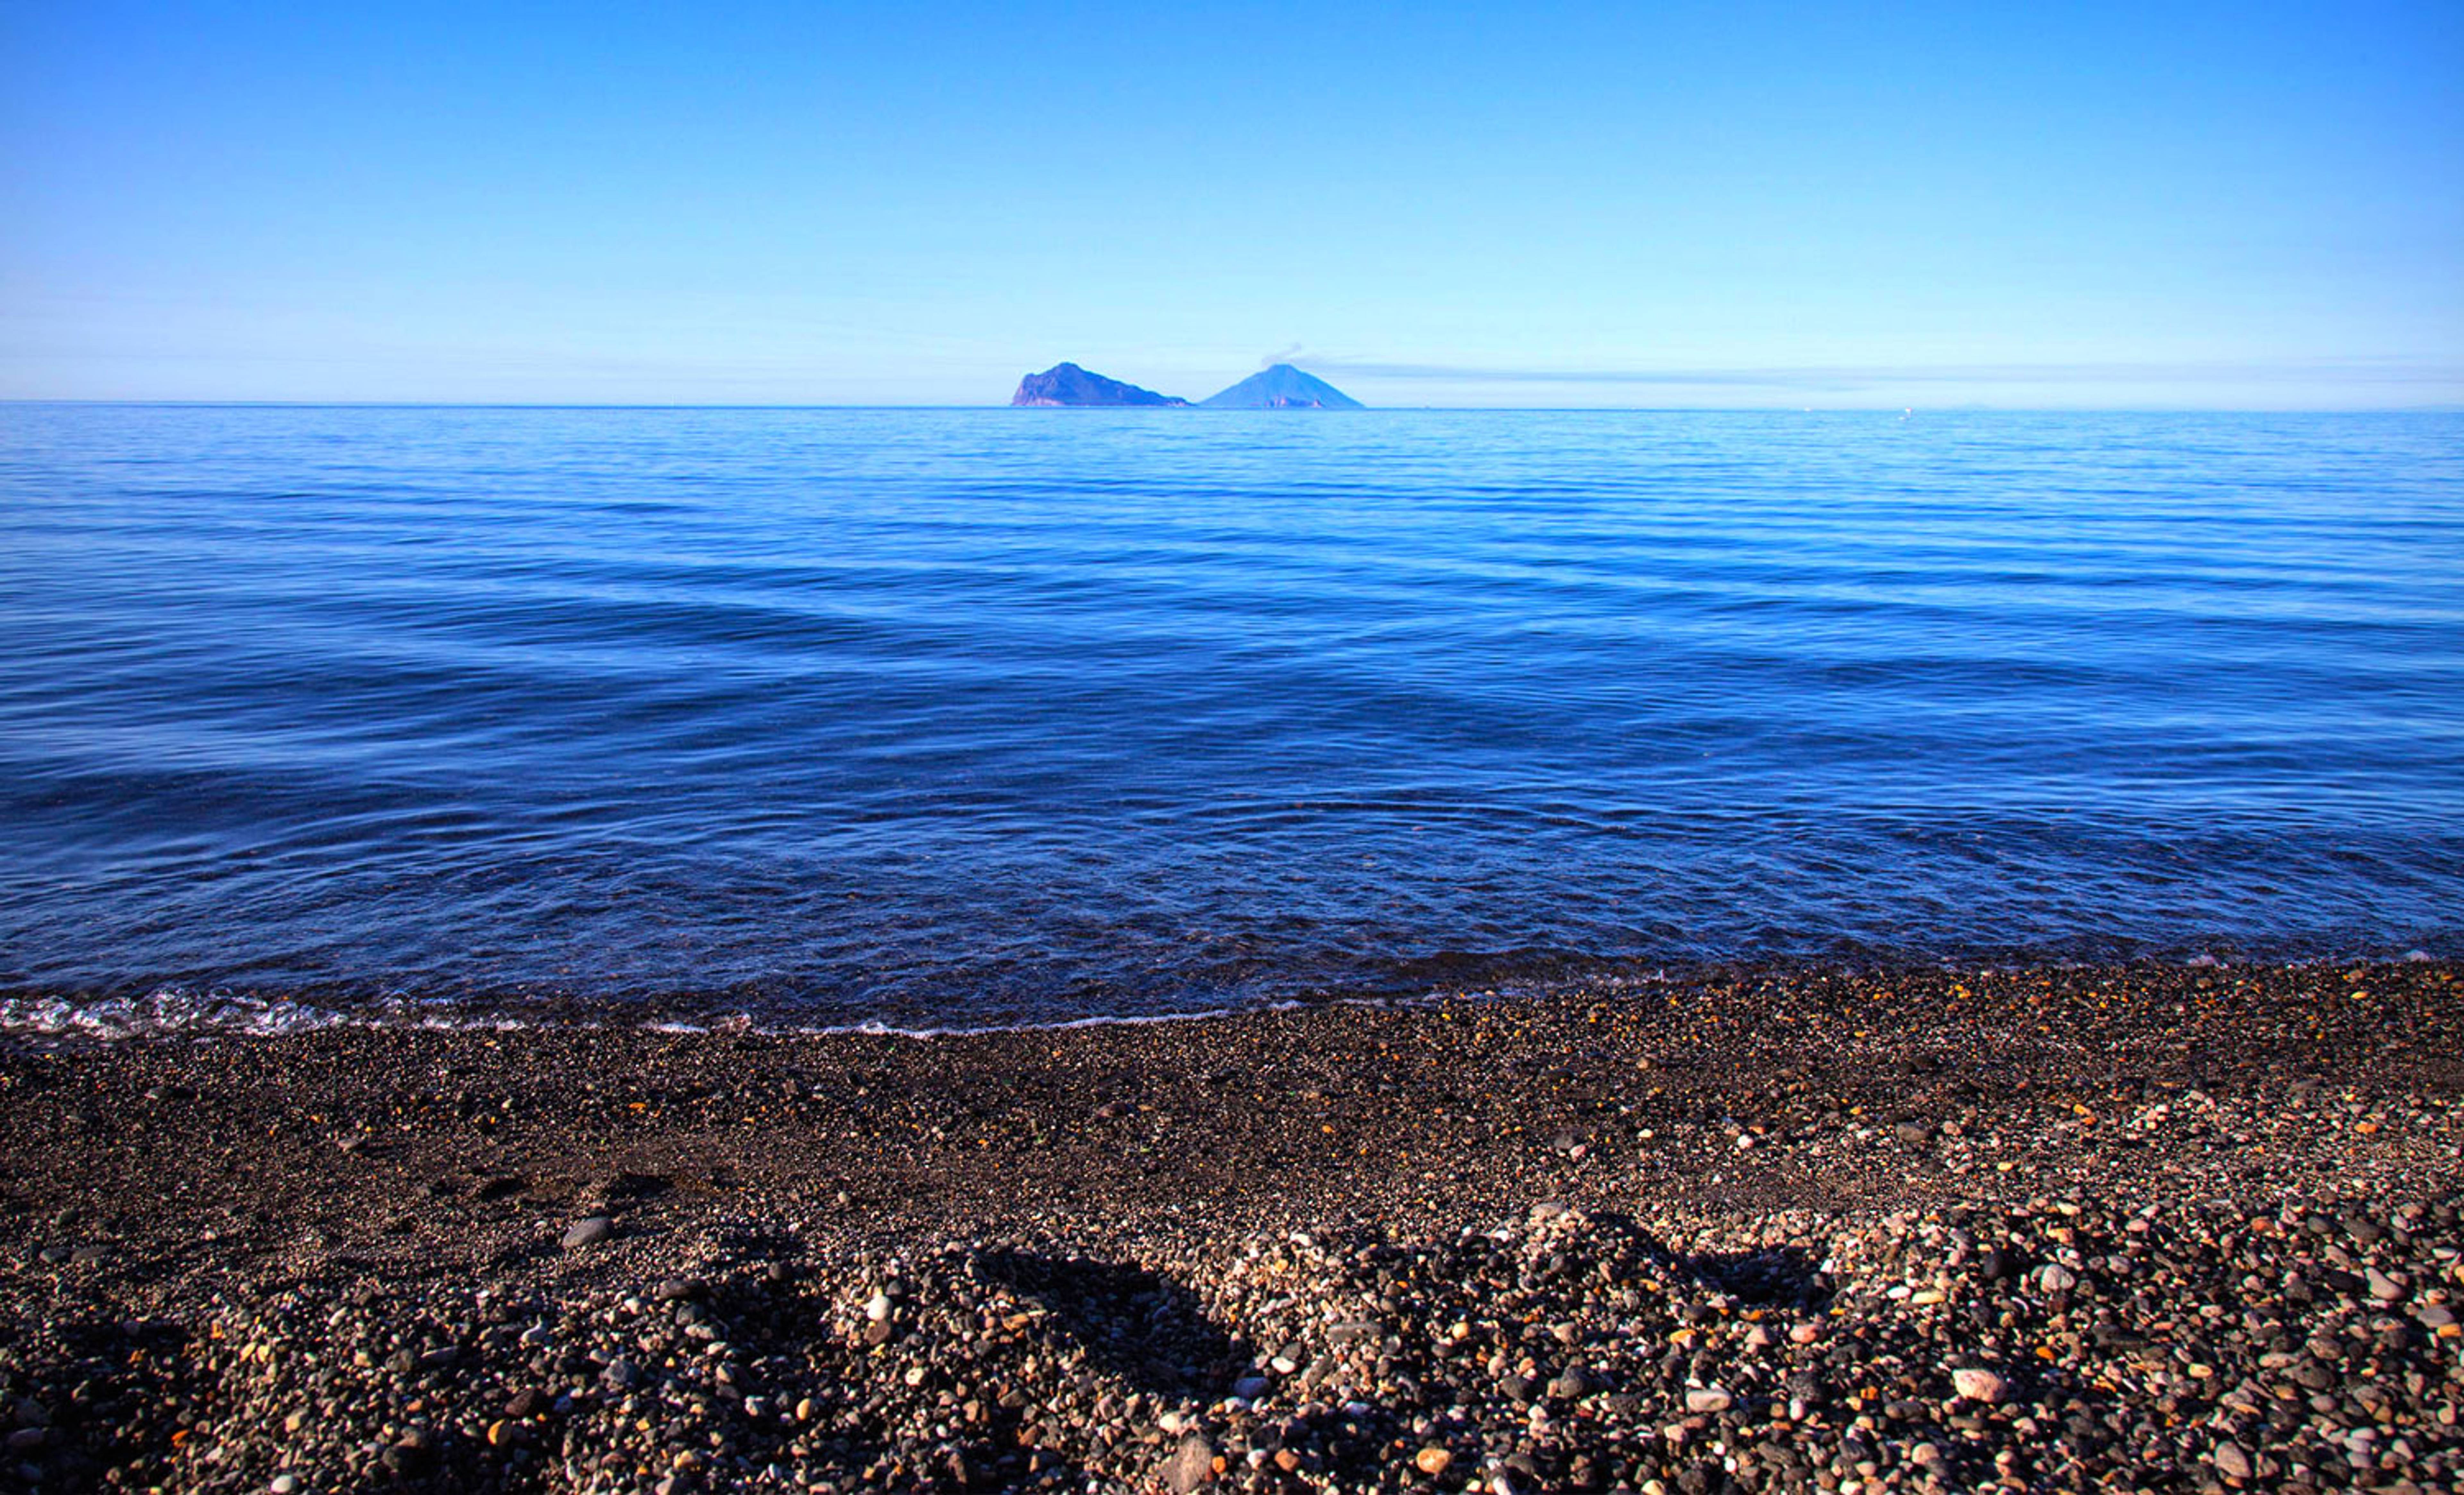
{"x": 1088, "y": 1233}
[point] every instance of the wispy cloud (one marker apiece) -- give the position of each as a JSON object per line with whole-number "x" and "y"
{"x": 1844, "y": 378}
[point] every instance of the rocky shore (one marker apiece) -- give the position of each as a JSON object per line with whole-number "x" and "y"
{"x": 2138, "y": 1228}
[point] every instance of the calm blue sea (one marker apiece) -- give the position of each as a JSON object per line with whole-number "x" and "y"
{"x": 983, "y": 717}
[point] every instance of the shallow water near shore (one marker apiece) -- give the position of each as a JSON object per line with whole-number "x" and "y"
{"x": 957, "y": 718}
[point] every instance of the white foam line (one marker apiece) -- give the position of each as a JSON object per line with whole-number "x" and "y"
{"x": 168, "y": 1012}
{"x": 176, "y": 1014}
{"x": 173, "y": 1013}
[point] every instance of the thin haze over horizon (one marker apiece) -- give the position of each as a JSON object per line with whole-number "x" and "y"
{"x": 2178, "y": 206}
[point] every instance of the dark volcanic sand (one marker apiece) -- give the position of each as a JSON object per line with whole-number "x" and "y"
{"x": 2174, "y": 1228}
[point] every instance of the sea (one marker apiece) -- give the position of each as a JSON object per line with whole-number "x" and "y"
{"x": 938, "y": 719}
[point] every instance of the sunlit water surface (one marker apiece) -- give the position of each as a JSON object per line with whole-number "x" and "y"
{"x": 963, "y": 717}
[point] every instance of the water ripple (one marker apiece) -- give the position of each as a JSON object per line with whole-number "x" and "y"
{"x": 950, "y": 718}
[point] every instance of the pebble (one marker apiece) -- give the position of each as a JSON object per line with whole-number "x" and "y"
{"x": 1708, "y": 1398}
{"x": 587, "y": 1232}
{"x": 1979, "y": 1384}
{"x": 2233, "y": 1461}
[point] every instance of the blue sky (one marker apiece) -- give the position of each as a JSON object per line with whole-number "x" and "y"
{"x": 1764, "y": 205}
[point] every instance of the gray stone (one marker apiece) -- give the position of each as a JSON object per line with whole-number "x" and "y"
{"x": 589, "y": 1232}
{"x": 1191, "y": 1464}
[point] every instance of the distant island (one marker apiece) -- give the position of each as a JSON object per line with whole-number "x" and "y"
{"x": 1068, "y": 385}
{"x": 1281, "y": 387}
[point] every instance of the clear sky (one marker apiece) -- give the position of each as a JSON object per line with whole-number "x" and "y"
{"x": 2145, "y": 203}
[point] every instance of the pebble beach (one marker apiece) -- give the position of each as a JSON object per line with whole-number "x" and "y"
{"x": 2139, "y": 1227}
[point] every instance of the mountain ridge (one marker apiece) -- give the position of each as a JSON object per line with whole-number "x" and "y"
{"x": 1279, "y": 387}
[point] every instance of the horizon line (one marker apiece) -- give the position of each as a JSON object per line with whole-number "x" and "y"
{"x": 1891, "y": 408}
